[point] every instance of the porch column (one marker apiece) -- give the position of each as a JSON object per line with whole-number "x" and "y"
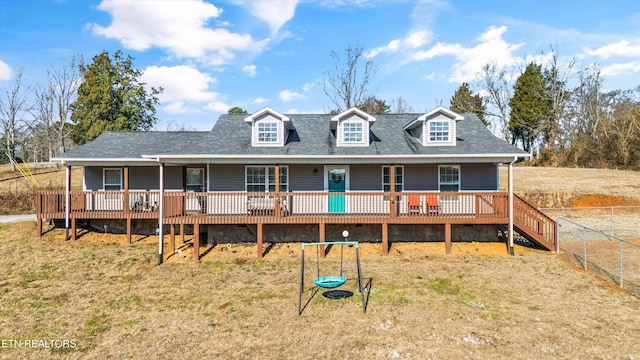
{"x": 196, "y": 242}
{"x": 276, "y": 208}
{"x": 125, "y": 202}
{"x": 385, "y": 238}
{"x": 161, "y": 216}
{"x": 393, "y": 211}
{"x": 259, "y": 240}
{"x": 67, "y": 202}
{"x": 447, "y": 238}
{"x": 510, "y": 181}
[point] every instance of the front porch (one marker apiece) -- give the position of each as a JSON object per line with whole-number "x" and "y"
{"x": 321, "y": 209}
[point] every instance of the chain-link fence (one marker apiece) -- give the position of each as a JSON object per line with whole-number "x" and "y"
{"x": 604, "y": 241}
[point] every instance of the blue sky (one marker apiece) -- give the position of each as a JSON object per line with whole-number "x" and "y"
{"x": 212, "y": 55}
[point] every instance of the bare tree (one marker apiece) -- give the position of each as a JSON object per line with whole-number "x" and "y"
{"x": 14, "y": 108}
{"x": 63, "y": 83}
{"x": 496, "y": 91}
{"x": 400, "y": 106}
{"x": 347, "y": 83}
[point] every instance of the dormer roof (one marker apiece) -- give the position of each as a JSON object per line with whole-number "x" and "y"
{"x": 440, "y": 110}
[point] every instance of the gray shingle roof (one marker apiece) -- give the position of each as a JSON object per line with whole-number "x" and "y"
{"x": 311, "y": 137}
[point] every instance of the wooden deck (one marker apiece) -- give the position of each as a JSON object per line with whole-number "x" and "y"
{"x": 302, "y": 208}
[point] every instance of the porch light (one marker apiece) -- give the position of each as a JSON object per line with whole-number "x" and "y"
{"x": 315, "y": 172}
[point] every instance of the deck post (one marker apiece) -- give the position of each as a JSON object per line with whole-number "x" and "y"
{"x": 67, "y": 202}
{"x": 39, "y": 213}
{"x": 259, "y": 240}
{"x": 172, "y": 241}
{"x": 385, "y": 238}
{"x": 322, "y": 238}
{"x": 73, "y": 229}
{"x": 196, "y": 242}
{"x": 128, "y": 229}
{"x": 447, "y": 238}
{"x": 182, "y": 229}
{"x": 161, "y": 216}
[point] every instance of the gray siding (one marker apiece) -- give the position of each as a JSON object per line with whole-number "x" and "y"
{"x": 301, "y": 178}
{"x": 144, "y": 178}
{"x": 366, "y": 177}
{"x": 173, "y": 177}
{"x": 93, "y": 178}
{"x": 226, "y": 178}
{"x": 420, "y": 177}
{"x": 478, "y": 177}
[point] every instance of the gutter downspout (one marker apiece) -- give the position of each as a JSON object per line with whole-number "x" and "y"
{"x": 510, "y": 181}
{"x": 161, "y": 216}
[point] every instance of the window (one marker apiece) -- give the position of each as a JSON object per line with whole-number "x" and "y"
{"x": 267, "y": 132}
{"x": 195, "y": 179}
{"x": 112, "y": 179}
{"x": 352, "y": 132}
{"x": 449, "y": 178}
{"x": 263, "y": 179}
{"x": 386, "y": 178}
{"x": 439, "y": 131}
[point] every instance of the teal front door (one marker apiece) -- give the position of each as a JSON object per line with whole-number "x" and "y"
{"x": 336, "y": 184}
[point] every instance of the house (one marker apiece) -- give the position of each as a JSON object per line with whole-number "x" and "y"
{"x": 270, "y": 177}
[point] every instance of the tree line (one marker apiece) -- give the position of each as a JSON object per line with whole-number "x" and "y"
{"x": 562, "y": 115}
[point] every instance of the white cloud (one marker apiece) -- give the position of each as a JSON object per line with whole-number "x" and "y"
{"x": 287, "y": 95}
{"x": 412, "y": 41}
{"x": 620, "y": 48}
{"x": 250, "y": 70}
{"x": 180, "y": 83}
{"x": 260, "y": 100}
{"x": 5, "y": 71}
{"x": 620, "y": 69}
{"x": 218, "y": 106}
{"x": 274, "y": 13}
{"x": 179, "y": 27}
{"x": 178, "y": 107}
{"x": 469, "y": 61}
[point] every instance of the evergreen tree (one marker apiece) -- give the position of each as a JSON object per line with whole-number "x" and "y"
{"x": 530, "y": 107}
{"x": 111, "y": 98}
{"x": 237, "y": 110}
{"x": 464, "y": 101}
{"x": 371, "y": 105}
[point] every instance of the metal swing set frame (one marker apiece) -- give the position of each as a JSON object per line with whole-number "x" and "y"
{"x": 331, "y": 281}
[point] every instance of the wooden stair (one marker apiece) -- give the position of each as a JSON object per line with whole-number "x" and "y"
{"x": 534, "y": 225}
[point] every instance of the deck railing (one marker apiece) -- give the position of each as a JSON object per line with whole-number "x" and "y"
{"x": 285, "y": 207}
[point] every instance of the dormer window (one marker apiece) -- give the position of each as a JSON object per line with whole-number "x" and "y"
{"x": 267, "y": 132}
{"x": 435, "y": 128}
{"x": 352, "y": 132}
{"x": 439, "y": 131}
{"x": 269, "y": 128}
{"x": 352, "y": 127}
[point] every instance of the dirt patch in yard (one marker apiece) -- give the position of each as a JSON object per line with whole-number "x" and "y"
{"x": 598, "y": 200}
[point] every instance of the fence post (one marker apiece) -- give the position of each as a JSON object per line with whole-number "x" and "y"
{"x": 584, "y": 237}
{"x": 621, "y": 268}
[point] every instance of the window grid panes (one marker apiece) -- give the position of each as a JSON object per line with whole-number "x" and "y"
{"x": 352, "y": 132}
{"x": 195, "y": 180}
{"x": 263, "y": 179}
{"x": 267, "y": 132}
{"x": 439, "y": 131}
{"x": 386, "y": 183}
{"x": 112, "y": 179}
{"x": 449, "y": 178}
